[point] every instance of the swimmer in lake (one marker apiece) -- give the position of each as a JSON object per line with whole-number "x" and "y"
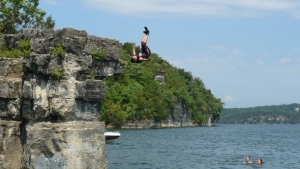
{"x": 247, "y": 161}
{"x": 260, "y": 161}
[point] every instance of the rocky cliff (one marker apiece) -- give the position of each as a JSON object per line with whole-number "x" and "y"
{"x": 49, "y": 102}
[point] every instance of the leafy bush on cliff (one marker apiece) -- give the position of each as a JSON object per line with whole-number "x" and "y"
{"x": 58, "y": 50}
{"x": 25, "y": 47}
{"x": 14, "y": 52}
{"x": 98, "y": 54}
{"x": 136, "y": 95}
{"x": 9, "y": 53}
{"x": 93, "y": 74}
{"x": 58, "y": 73}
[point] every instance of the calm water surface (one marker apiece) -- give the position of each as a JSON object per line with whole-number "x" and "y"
{"x": 224, "y": 147}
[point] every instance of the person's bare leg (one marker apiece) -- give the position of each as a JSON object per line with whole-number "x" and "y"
{"x": 134, "y": 57}
{"x": 145, "y": 59}
{"x": 133, "y": 50}
{"x": 145, "y": 38}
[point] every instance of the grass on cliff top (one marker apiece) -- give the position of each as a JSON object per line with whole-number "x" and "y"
{"x": 98, "y": 54}
{"x": 25, "y": 46}
{"x": 58, "y": 50}
{"x": 14, "y": 52}
{"x": 58, "y": 73}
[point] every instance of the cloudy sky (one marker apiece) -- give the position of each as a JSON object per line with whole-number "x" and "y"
{"x": 247, "y": 52}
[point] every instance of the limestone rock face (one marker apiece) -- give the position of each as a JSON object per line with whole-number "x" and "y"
{"x": 50, "y": 104}
{"x": 11, "y": 67}
{"x": 160, "y": 77}
{"x": 181, "y": 117}
{"x": 10, "y": 145}
{"x": 69, "y": 145}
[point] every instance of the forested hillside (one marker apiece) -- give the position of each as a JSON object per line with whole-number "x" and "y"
{"x": 288, "y": 114}
{"x": 136, "y": 95}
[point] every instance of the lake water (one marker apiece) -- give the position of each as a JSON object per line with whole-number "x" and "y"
{"x": 224, "y": 147}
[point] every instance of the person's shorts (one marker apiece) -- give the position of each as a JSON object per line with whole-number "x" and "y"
{"x": 137, "y": 59}
{"x": 145, "y": 49}
{"x": 144, "y": 46}
{"x": 143, "y": 55}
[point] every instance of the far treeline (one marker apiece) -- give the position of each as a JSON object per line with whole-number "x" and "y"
{"x": 275, "y": 114}
{"x": 136, "y": 95}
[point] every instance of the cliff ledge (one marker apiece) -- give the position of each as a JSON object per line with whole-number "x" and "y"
{"x": 49, "y": 103}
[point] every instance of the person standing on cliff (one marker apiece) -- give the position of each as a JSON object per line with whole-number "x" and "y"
{"x": 144, "y": 55}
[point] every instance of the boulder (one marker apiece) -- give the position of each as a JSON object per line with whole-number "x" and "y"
{"x": 68, "y": 145}
{"x": 10, "y": 145}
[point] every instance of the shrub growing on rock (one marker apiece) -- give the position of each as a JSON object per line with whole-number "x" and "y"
{"x": 9, "y": 53}
{"x": 58, "y": 73}
{"x": 25, "y": 47}
{"x": 93, "y": 74}
{"x": 98, "y": 54}
{"x": 58, "y": 50}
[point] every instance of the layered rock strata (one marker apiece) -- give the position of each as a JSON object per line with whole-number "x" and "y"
{"x": 49, "y": 104}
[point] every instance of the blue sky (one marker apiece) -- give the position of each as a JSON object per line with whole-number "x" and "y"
{"x": 247, "y": 52}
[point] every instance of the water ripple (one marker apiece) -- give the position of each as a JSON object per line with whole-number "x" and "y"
{"x": 224, "y": 147}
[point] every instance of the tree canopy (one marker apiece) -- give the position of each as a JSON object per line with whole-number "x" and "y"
{"x": 17, "y": 15}
{"x": 136, "y": 95}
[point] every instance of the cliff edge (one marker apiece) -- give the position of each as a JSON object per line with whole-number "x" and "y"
{"x": 50, "y": 99}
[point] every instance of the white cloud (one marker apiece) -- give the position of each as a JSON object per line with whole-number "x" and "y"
{"x": 284, "y": 60}
{"x": 236, "y": 8}
{"x": 228, "y": 98}
{"x": 236, "y": 51}
{"x": 198, "y": 60}
{"x": 296, "y": 49}
{"x": 217, "y": 47}
{"x": 177, "y": 63}
{"x": 260, "y": 62}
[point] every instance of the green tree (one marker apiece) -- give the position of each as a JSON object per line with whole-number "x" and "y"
{"x": 17, "y": 15}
